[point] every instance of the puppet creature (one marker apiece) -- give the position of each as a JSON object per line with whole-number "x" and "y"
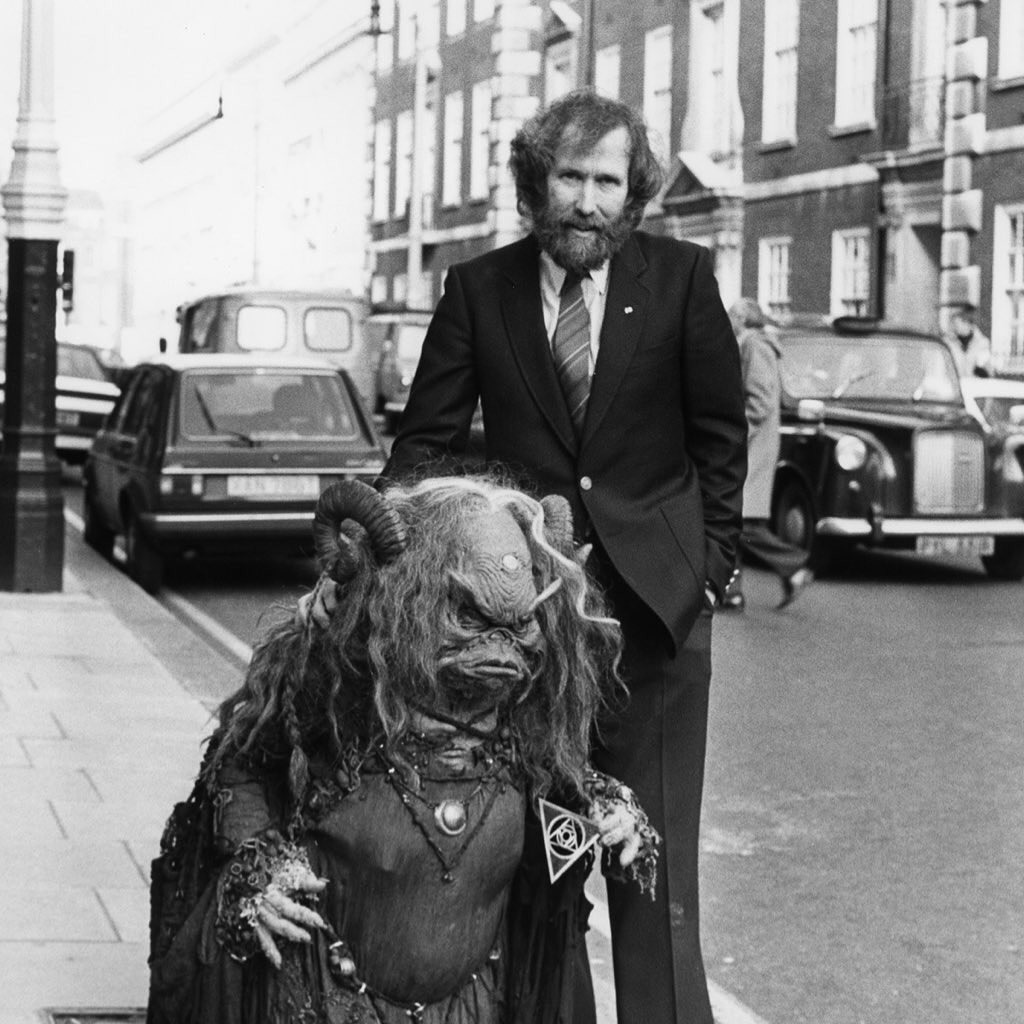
{"x": 362, "y": 845}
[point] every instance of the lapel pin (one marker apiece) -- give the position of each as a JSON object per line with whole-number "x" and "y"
{"x": 628, "y": 309}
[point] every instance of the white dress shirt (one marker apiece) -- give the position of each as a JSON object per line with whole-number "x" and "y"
{"x": 595, "y": 290}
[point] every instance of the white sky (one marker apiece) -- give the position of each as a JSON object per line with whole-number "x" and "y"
{"x": 115, "y": 62}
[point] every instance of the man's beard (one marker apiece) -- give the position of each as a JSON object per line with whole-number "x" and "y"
{"x": 578, "y": 253}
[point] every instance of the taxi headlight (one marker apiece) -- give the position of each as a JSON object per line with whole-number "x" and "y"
{"x": 851, "y": 453}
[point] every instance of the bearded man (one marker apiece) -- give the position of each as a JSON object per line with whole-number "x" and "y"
{"x": 607, "y": 372}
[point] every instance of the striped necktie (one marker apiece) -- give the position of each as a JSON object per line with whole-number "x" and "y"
{"x": 571, "y": 349}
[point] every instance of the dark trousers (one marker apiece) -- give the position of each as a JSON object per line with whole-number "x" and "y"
{"x": 767, "y": 548}
{"x": 655, "y": 743}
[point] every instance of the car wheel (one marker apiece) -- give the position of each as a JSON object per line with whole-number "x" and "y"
{"x": 1007, "y": 561}
{"x": 96, "y": 534}
{"x": 145, "y": 563}
{"x": 794, "y": 519}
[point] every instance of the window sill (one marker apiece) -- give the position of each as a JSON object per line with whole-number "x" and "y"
{"x": 776, "y": 145}
{"x": 838, "y": 131}
{"x": 1003, "y": 84}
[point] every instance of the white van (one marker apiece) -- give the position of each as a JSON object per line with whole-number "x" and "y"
{"x": 328, "y": 325}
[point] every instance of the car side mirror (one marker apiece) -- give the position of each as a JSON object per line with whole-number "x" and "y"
{"x": 1016, "y": 416}
{"x": 811, "y": 410}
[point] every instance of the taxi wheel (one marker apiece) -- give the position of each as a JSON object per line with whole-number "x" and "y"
{"x": 145, "y": 563}
{"x": 94, "y": 531}
{"x": 794, "y": 519}
{"x": 1007, "y": 560}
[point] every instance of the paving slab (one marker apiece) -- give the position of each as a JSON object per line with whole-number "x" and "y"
{"x": 64, "y": 863}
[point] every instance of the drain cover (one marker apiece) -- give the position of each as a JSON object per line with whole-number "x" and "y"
{"x": 97, "y": 1016}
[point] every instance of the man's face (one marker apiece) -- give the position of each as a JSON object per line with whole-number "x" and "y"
{"x": 583, "y": 223}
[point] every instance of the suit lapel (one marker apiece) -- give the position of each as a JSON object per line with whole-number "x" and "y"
{"x": 624, "y": 315}
{"x": 523, "y": 317}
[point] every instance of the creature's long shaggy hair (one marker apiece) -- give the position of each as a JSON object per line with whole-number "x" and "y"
{"x": 324, "y": 693}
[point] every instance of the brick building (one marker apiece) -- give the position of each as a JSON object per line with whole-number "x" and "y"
{"x": 861, "y": 156}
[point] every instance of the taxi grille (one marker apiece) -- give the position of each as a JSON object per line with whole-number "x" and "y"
{"x": 949, "y": 473}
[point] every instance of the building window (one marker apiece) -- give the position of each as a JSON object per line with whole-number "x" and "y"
{"x": 403, "y": 162}
{"x": 386, "y": 39}
{"x": 851, "y": 281}
{"x": 781, "y": 34}
{"x": 378, "y": 289}
{"x": 381, "y": 170}
{"x": 483, "y": 9}
{"x": 559, "y": 69}
{"x": 658, "y": 89}
{"x": 455, "y": 18}
{"x": 400, "y": 289}
{"x": 429, "y": 23}
{"x": 406, "y": 30}
{"x": 451, "y": 175}
{"x": 1011, "y": 39}
{"x": 855, "y": 61}
{"x": 480, "y": 142}
{"x": 713, "y": 121}
{"x": 607, "y": 65}
{"x": 773, "y": 275}
{"x": 1008, "y": 290}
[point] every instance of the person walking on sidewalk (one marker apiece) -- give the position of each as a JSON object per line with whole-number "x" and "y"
{"x": 759, "y": 358}
{"x": 607, "y": 372}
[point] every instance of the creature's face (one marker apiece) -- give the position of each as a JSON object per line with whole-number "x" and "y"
{"x": 493, "y": 639}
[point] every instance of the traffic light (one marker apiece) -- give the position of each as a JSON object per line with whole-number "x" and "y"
{"x": 67, "y": 281}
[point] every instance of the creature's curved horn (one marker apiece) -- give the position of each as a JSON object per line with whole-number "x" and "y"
{"x": 558, "y": 522}
{"x": 353, "y": 499}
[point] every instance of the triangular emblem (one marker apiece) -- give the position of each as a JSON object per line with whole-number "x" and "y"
{"x": 567, "y": 836}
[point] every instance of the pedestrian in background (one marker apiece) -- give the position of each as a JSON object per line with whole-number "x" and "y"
{"x": 607, "y": 372}
{"x": 762, "y": 388}
{"x": 973, "y": 348}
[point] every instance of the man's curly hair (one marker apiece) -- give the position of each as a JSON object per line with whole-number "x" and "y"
{"x": 581, "y": 119}
{"x": 311, "y": 692}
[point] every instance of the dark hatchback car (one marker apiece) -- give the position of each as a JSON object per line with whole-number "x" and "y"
{"x": 85, "y": 395}
{"x": 879, "y": 449}
{"x": 214, "y": 452}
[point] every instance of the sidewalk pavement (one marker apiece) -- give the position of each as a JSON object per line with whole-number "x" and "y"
{"x": 105, "y": 698}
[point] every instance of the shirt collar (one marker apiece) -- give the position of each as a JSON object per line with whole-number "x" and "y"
{"x": 554, "y": 275}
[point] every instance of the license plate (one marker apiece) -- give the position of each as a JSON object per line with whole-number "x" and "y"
{"x": 67, "y": 419}
{"x": 273, "y": 487}
{"x": 955, "y": 545}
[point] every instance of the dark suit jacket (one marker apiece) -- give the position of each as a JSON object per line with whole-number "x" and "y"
{"x": 657, "y": 477}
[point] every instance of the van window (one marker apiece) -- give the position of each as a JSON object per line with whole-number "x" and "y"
{"x": 200, "y": 324}
{"x": 328, "y": 329}
{"x": 261, "y": 328}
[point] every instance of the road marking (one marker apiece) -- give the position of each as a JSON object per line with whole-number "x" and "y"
{"x": 726, "y": 1007}
{"x": 208, "y": 625}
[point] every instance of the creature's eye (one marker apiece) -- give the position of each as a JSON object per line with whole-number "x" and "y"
{"x": 469, "y": 617}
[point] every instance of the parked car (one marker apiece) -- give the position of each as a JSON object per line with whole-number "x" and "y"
{"x": 998, "y": 401}
{"x": 313, "y": 324}
{"x": 215, "y": 452}
{"x": 85, "y": 395}
{"x": 398, "y": 337}
{"x": 880, "y": 449}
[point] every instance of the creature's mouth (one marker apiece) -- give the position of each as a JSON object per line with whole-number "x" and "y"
{"x": 492, "y": 668}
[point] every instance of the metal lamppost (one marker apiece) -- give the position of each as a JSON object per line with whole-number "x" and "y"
{"x": 31, "y": 503}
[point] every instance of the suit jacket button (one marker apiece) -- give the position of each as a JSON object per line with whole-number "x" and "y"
{"x": 586, "y": 483}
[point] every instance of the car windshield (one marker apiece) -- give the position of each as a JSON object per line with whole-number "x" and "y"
{"x": 879, "y": 367}
{"x": 78, "y": 362}
{"x": 410, "y": 342}
{"x": 256, "y": 405}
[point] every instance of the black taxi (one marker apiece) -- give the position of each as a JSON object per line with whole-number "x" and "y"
{"x": 879, "y": 449}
